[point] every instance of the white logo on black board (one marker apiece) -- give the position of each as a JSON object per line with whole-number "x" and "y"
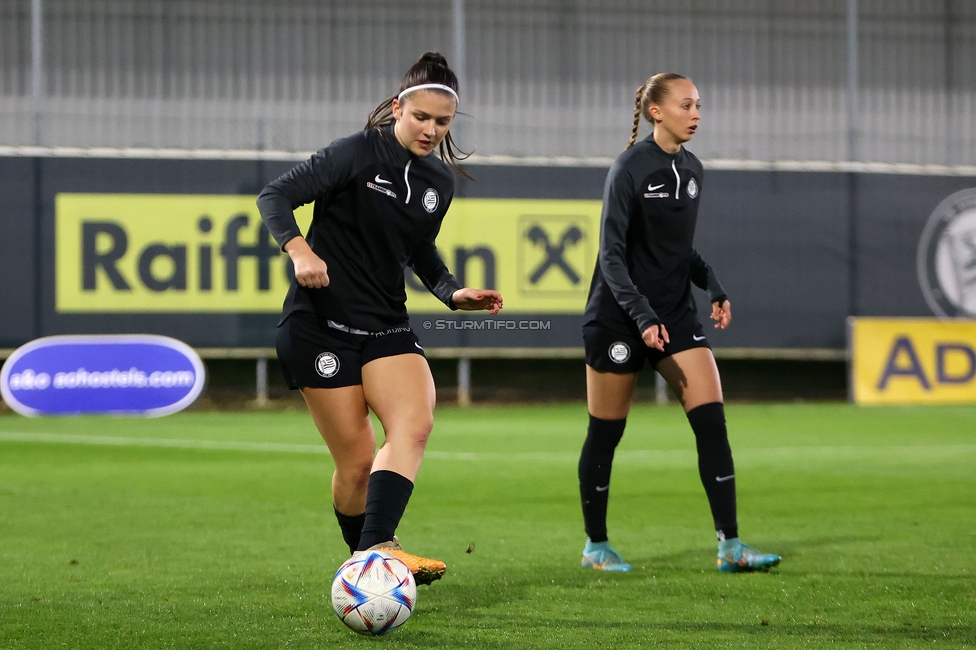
{"x": 947, "y": 257}
{"x": 619, "y": 352}
{"x": 692, "y": 188}
{"x": 431, "y": 199}
{"x": 327, "y": 364}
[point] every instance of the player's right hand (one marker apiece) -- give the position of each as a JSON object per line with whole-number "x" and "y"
{"x": 310, "y": 270}
{"x": 656, "y": 336}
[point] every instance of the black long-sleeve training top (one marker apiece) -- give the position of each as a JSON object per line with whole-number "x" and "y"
{"x": 378, "y": 209}
{"x": 647, "y": 262}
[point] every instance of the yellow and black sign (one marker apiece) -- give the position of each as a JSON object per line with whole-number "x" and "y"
{"x": 166, "y": 253}
{"x": 211, "y": 253}
{"x": 556, "y": 254}
{"x": 913, "y": 360}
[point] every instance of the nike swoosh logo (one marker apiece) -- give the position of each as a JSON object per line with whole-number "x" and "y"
{"x": 723, "y": 479}
{"x": 418, "y": 345}
{"x": 603, "y": 489}
{"x": 697, "y": 338}
{"x": 380, "y": 180}
{"x": 655, "y": 187}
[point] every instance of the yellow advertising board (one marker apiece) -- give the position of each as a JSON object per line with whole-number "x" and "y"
{"x": 912, "y": 360}
{"x": 139, "y": 253}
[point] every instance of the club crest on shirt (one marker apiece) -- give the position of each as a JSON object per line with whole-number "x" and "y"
{"x": 619, "y": 352}
{"x": 327, "y": 364}
{"x": 431, "y": 199}
{"x": 692, "y": 188}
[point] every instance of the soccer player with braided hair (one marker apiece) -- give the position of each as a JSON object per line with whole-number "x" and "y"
{"x": 641, "y": 310}
{"x": 344, "y": 338}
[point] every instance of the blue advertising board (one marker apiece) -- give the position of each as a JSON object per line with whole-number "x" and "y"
{"x": 144, "y": 375}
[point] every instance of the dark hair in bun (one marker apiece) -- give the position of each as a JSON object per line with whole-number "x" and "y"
{"x": 432, "y": 68}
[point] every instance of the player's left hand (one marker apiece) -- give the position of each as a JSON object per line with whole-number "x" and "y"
{"x": 722, "y": 313}
{"x": 477, "y": 299}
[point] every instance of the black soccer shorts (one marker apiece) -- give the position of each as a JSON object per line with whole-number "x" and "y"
{"x": 609, "y": 350}
{"x": 317, "y": 356}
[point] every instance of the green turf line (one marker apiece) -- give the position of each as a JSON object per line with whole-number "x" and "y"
{"x": 215, "y": 530}
{"x": 749, "y": 453}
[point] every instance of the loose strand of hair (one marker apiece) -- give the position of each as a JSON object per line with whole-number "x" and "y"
{"x": 453, "y": 155}
{"x": 382, "y": 115}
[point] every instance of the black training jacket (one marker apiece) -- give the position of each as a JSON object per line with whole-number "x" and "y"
{"x": 378, "y": 209}
{"x": 647, "y": 262}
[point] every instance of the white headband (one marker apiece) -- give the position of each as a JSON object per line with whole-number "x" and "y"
{"x": 446, "y": 89}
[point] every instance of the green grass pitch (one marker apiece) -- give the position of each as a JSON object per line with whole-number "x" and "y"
{"x": 215, "y": 530}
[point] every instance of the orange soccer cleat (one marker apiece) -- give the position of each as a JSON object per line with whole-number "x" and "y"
{"x": 424, "y": 570}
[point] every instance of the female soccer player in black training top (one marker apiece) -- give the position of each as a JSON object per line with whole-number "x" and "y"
{"x": 641, "y": 308}
{"x": 344, "y": 337}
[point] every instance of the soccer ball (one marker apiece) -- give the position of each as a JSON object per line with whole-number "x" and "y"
{"x": 373, "y": 593}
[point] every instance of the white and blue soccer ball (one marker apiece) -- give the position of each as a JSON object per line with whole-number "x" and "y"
{"x": 373, "y": 593}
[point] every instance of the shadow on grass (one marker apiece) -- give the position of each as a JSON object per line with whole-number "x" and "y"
{"x": 520, "y": 630}
{"x": 787, "y": 549}
{"x": 851, "y": 633}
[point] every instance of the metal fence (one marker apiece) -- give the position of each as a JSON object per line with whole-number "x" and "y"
{"x": 833, "y": 80}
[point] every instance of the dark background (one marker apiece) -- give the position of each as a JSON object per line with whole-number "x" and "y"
{"x": 797, "y": 251}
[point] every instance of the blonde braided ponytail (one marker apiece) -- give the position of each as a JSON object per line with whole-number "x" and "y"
{"x": 653, "y": 91}
{"x": 637, "y": 115}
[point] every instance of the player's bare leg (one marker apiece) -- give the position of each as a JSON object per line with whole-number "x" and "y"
{"x": 341, "y": 416}
{"x": 400, "y": 390}
{"x": 693, "y": 376}
{"x": 609, "y": 395}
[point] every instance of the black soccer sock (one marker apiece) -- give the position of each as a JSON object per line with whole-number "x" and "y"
{"x": 715, "y": 465}
{"x": 351, "y": 527}
{"x": 386, "y": 499}
{"x": 595, "y": 463}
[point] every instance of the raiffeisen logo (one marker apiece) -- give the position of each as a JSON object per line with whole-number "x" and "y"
{"x": 159, "y": 253}
{"x": 200, "y": 253}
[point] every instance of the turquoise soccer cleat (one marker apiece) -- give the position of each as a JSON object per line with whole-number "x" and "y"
{"x": 599, "y": 556}
{"x": 736, "y": 557}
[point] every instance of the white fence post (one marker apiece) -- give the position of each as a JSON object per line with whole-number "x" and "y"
{"x": 262, "y": 381}
{"x": 464, "y": 381}
{"x": 660, "y": 389}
